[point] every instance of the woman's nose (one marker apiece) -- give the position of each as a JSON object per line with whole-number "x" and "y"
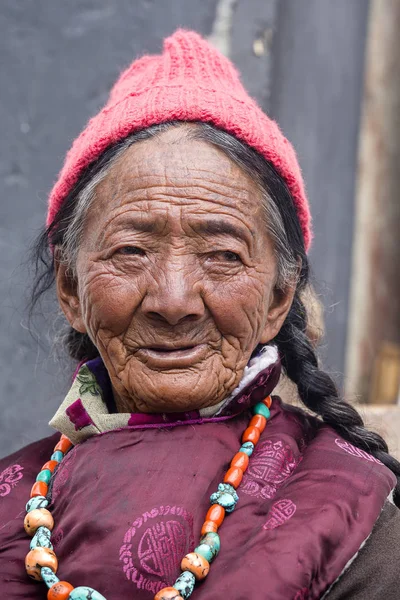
{"x": 175, "y": 296}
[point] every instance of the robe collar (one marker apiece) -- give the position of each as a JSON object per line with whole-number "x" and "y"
{"x": 89, "y": 407}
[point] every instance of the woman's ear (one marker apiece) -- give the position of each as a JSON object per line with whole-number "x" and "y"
{"x": 67, "y": 294}
{"x": 277, "y": 312}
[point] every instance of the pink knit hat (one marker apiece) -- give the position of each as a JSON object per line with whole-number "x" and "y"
{"x": 190, "y": 81}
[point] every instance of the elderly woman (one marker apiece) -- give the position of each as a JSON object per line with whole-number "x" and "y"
{"x": 176, "y": 237}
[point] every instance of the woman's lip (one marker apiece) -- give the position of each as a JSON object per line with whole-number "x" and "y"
{"x": 165, "y": 358}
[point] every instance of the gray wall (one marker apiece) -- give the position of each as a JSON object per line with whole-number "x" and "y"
{"x": 59, "y": 59}
{"x": 316, "y": 97}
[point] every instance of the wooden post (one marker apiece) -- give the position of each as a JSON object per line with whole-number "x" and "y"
{"x": 374, "y": 320}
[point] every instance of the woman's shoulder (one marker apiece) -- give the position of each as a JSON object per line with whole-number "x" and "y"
{"x": 374, "y": 573}
{"x": 31, "y": 453}
{"x": 18, "y": 473}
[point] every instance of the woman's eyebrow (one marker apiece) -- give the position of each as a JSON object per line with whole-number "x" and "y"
{"x": 139, "y": 224}
{"x": 222, "y": 227}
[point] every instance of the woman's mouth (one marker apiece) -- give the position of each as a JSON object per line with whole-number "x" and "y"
{"x": 170, "y": 357}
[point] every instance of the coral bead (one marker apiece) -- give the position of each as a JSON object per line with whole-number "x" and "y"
{"x": 233, "y": 476}
{"x": 50, "y": 465}
{"x": 216, "y": 513}
{"x": 40, "y": 517}
{"x": 39, "y": 489}
{"x": 240, "y": 461}
{"x": 38, "y": 558}
{"x": 268, "y": 401}
{"x": 251, "y": 434}
{"x": 196, "y": 564}
{"x": 258, "y": 421}
{"x": 209, "y": 526}
{"x": 168, "y": 593}
{"x": 60, "y": 591}
{"x": 63, "y": 445}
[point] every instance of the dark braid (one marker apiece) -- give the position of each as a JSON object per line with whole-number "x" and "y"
{"x": 318, "y": 391}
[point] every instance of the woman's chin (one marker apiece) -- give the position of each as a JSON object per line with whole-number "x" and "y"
{"x": 176, "y": 394}
{"x": 176, "y": 390}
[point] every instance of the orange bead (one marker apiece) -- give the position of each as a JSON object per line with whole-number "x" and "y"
{"x": 63, "y": 445}
{"x": 60, "y": 591}
{"x": 251, "y": 434}
{"x": 38, "y": 558}
{"x": 240, "y": 461}
{"x": 65, "y": 437}
{"x": 258, "y": 421}
{"x": 168, "y": 593}
{"x": 209, "y": 526}
{"x": 267, "y": 401}
{"x": 196, "y": 564}
{"x": 39, "y": 489}
{"x": 50, "y": 465}
{"x": 216, "y": 513}
{"x": 233, "y": 476}
{"x": 39, "y": 517}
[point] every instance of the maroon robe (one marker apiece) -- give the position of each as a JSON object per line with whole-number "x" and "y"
{"x": 128, "y": 504}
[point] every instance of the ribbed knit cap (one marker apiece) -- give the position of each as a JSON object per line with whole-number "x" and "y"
{"x": 189, "y": 81}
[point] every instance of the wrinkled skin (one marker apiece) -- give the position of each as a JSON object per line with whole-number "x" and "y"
{"x": 175, "y": 277}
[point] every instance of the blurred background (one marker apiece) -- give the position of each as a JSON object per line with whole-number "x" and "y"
{"x": 328, "y": 72}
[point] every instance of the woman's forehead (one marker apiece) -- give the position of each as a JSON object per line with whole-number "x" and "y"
{"x": 169, "y": 169}
{"x": 184, "y": 158}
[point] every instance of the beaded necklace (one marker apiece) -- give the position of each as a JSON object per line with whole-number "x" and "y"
{"x": 41, "y": 562}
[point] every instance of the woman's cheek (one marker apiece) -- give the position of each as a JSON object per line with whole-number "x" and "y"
{"x": 239, "y": 306}
{"x": 110, "y": 301}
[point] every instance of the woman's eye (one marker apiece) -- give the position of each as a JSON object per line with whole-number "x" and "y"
{"x": 226, "y": 256}
{"x": 131, "y": 251}
{"x": 231, "y": 256}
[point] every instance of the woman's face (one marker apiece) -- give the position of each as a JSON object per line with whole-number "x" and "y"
{"x": 175, "y": 275}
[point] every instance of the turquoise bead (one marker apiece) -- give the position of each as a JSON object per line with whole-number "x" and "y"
{"x": 44, "y": 476}
{"x": 247, "y": 448}
{"x": 209, "y": 546}
{"x": 185, "y": 584}
{"x": 36, "y": 502}
{"x": 85, "y": 593}
{"x": 226, "y": 496}
{"x": 261, "y": 409}
{"x": 205, "y": 551}
{"x": 49, "y": 577}
{"x": 57, "y": 455}
{"x": 41, "y": 538}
